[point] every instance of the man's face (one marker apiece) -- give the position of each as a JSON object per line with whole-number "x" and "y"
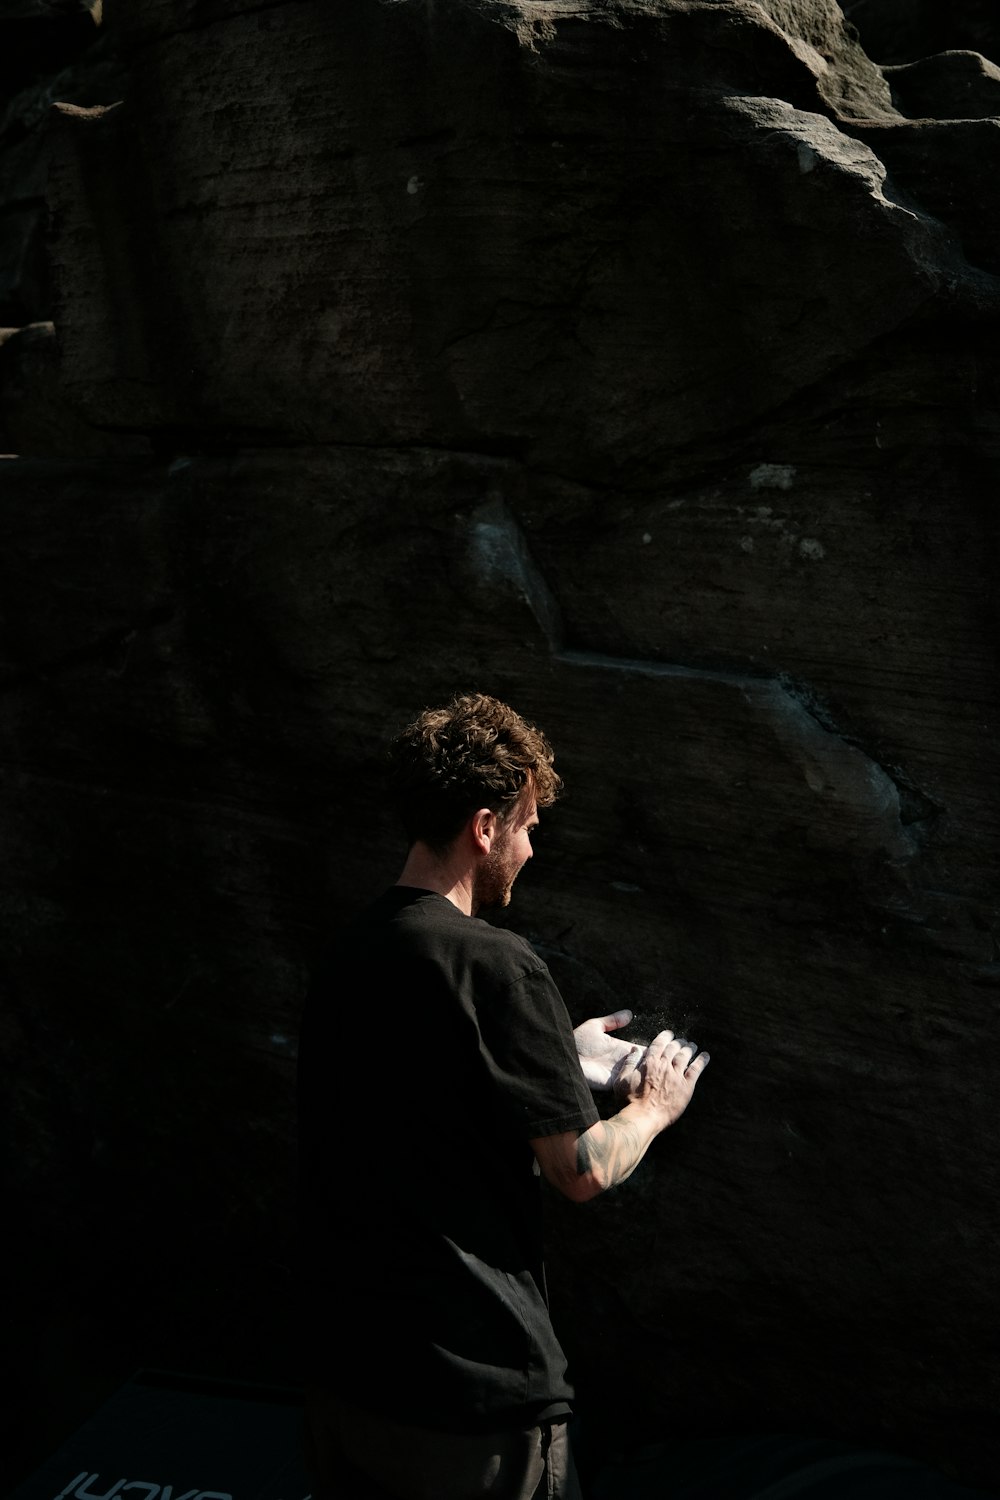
{"x": 511, "y": 850}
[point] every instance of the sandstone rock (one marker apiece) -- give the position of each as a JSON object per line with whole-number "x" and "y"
{"x": 34, "y": 414}
{"x": 904, "y": 31}
{"x": 23, "y": 278}
{"x": 937, "y": 166}
{"x": 35, "y": 51}
{"x": 23, "y": 264}
{"x": 846, "y": 79}
{"x": 947, "y": 86}
{"x": 636, "y": 362}
{"x": 408, "y": 317}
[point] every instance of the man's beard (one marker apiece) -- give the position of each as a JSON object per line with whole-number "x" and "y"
{"x": 494, "y": 880}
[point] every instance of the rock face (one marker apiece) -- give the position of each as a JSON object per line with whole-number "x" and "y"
{"x": 633, "y": 361}
{"x": 947, "y": 86}
{"x": 896, "y": 32}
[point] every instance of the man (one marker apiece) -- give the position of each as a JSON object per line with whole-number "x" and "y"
{"x": 435, "y": 1370}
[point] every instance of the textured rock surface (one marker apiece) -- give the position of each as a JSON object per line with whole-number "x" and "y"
{"x": 638, "y": 363}
{"x": 947, "y": 86}
{"x": 35, "y": 49}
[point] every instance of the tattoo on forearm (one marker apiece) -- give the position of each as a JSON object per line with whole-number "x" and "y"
{"x": 611, "y": 1151}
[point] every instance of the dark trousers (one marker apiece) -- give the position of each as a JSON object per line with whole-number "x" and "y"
{"x": 357, "y": 1455}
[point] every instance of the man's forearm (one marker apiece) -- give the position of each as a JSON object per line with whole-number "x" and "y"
{"x": 611, "y": 1150}
{"x": 587, "y": 1163}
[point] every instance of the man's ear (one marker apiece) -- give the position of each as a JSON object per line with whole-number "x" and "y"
{"x": 483, "y": 827}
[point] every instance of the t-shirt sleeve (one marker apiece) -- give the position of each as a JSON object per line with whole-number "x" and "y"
{"x": 527, "y": 1047}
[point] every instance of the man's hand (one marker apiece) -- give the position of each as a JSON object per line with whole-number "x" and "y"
{"x": 665, "y": 1079}
{"x": 582, "y": 1164}
{"x": 606, "y": 1060}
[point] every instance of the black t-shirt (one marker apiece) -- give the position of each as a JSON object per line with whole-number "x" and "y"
{"x": 433, "y": 1048}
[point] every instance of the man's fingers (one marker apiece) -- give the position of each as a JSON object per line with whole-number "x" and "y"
{"x": 697, "y": 1066}
{"x": 629, "y": 1081}
{"x": 627, "y": 1063}
{"x": 616, "y": 1019}
{"x": 660, "y": 1043}
{"x": 625, "y": 1075}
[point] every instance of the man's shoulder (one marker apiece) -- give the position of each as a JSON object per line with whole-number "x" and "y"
{"x": 437, "y": 919}
{"x": 501, "y": 946}
{"x": 407, "y": 923}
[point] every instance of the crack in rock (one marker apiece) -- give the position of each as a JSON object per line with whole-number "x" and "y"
{"x": 848, "y": 801}
{"x": 499, "y": 555}
{"x": 859, "y": 804}
{"x": 918, "y": 811}
{"x": 817, "y": 142}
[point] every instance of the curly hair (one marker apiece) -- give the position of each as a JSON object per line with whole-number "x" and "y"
{"x": 475, "y": 752}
